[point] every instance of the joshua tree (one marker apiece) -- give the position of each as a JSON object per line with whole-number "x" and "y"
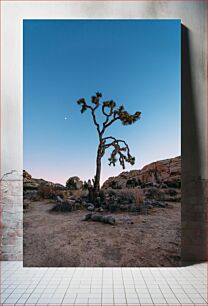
{"x": 120, "y": 149}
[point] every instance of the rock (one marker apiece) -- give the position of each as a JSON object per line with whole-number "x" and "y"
{"x": 132, "y": 183}
{"x": 90, "y": 207}
{"x": 26, "y": 175}
{"x": 171, "y": 192}
{"x": 59, "y": 199}
{"x": 166, "y": 171}
{"x": 63, "y": 207}
{"x": 31, "y": 194}
{"x": 66, "y": 205}
{"x": 30, "y": 185}
{"x": 149, "y": 206}
{"x": 154, "y": 203}
{"x": 74, "y": 183}
{"x": 160, "y": 204}
{"x": 100, "y": 209}
{"x": 58, "y": 186}
{"x": 71, "y": 202}
{"x": 149, "y": 184}
{"x": 147, "y": 202}
{"x": 84, "y": 203}
{"x": 44, "y": 189}
{"x": 173, "y": 184}
{"x": 163, "y": 185}
{"x": 87, "y": 217}
{"x": 79, "y": 185}
{"x": 100, "y": 218}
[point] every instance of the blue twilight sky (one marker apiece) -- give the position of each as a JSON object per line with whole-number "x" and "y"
{"x": 134, "y": 62}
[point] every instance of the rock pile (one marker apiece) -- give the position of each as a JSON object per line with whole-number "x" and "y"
{"x": 161, "y": 174}
{"x": 35, "y": 189}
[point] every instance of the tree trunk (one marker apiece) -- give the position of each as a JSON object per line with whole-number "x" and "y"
{"x": 96, "y": 187}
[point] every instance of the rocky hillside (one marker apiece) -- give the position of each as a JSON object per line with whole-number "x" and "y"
{"x": 33, "y": 183}
{"x": 163, "y": 173}
{"x": 38, "y": 188}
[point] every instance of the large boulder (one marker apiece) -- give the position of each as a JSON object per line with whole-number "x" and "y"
{"x": 26, "y": 176}
{"x": 160, "y": 173}
{"x": 74, "y": 183}
{"x": 35, "y": 189}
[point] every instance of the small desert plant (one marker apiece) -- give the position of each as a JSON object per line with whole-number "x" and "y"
{"x": 129, "y": 195}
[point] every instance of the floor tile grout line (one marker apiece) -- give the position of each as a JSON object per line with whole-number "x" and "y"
{"x": 170, "y": 288}
{"x": 147, "y": 287}
{"x": 69, "y": 285}
{"x": 135, "y": 287}
{"x": 159, "y": 287}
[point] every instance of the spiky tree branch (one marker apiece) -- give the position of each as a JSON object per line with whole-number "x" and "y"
{"x": 121, "y": 149}
{"x": 95, "y": 100}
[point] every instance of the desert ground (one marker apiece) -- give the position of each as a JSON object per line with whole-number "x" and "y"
{"x": 62, "y": 239}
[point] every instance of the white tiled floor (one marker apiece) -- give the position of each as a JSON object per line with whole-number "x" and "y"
{"x": 103, "y": 286}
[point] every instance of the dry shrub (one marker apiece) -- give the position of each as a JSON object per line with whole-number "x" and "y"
{"x": 154, "y": 193}
{"x": 131, "y": 195}
{"x": 49, "y": 192}
{"x": 138, "y": 195}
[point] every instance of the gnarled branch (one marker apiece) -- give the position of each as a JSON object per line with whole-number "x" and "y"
{"x": 95, "y": 100}
{"x": 121, "y": 149}
{"x": 108, "y": 104}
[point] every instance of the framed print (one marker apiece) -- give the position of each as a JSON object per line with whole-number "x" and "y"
{"x": 150, "y": 66}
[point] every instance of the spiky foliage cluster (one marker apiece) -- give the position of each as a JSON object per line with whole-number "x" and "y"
{"x": 121, "y": 152}
{"x": 94, "y": 99}
{"x": 112, "y": 113}
{"x": 126, "y": 118}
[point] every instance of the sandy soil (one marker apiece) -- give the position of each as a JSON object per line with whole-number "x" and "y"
{"x": 62, "y": 239}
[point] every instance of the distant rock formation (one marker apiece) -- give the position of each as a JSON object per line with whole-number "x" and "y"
{"x": 33, "y": 183}
{"x": 164, "y": 173}
{"x": 38, "y": 188}
{"x": 155, "y": 180}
